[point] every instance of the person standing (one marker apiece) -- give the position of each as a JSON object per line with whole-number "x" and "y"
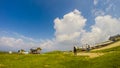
{"x": 88, "y": 47}
{"x": 75, "y": 50}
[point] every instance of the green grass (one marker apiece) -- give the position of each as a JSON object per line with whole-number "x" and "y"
{"x": 58, "y": 59}
{"x": 109, "y": 50}
{"x": 117, "y": 48}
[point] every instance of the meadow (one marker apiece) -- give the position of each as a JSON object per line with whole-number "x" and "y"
{"x": 59, "y": 59}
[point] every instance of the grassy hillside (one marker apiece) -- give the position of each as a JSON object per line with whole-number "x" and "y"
{"x": 116, "y": 49}
{"x": 110, "y": 48}
{"x": 59, "y": 59}
{"x": 115, "y": 44}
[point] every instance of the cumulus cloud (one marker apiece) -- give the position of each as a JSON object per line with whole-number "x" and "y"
{"x": 9, "y": 41}
{"x": 104, "y": 27}
{"x": 69, "y": 31}
{"x": 48, "y": 45}
{"x": 70, "y": 27}
{"x": 14, "y": 42}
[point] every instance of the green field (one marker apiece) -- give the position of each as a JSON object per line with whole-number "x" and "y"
{"x": 59, "y": 59}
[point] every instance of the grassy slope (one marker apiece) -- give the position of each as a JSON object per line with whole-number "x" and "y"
{"x": 60, "y": 60}
{"x": 114, "y": 49}
{"x": 115, "y": 44}
{"x": 109, "y": 48}
{"x": 57, "y": 60}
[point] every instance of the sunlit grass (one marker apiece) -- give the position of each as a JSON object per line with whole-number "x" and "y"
{"x": 58, "y": 59}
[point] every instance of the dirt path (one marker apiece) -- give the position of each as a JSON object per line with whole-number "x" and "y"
{"x": 109, "y": 46}
{"x": 91, "y": 55}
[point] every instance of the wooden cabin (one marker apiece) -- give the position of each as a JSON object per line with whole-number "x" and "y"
{"x": 35, "y": 50}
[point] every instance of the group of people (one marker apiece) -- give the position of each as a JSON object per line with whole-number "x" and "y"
{"x": 75, "y": 49}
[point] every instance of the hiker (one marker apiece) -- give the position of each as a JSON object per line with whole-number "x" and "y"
{"x": 88, "y": 47}
{"x": 75, "y": 50}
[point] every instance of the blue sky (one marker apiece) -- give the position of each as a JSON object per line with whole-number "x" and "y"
{"x": 34, "y": 18}
{"x": 56, "y": 24}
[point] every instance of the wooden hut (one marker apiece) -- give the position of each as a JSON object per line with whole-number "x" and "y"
{"x": 35, "y": 50}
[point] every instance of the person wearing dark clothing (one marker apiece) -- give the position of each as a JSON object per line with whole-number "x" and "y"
{"x": 75, "y": 50}
{"x": 88, "y": 48}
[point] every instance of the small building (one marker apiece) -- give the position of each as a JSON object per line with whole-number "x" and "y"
{"x": 115, "y": 38}
{"x": 21, "y": 51}
{"x": 35, "y": 50}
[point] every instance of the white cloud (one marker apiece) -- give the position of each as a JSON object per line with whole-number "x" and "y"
{"x": 70, "y": 27}
{"x": 47, "y": 44}
{"x": 104, "y": 27}
{"x": 14, "y": 42}
{"x": 10, "y": 41}
{"x": 24, "y": 37}
{"x": 106, "y": 7}
{"x": 68, "y": 32}
{"x": 95, "y": 2}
